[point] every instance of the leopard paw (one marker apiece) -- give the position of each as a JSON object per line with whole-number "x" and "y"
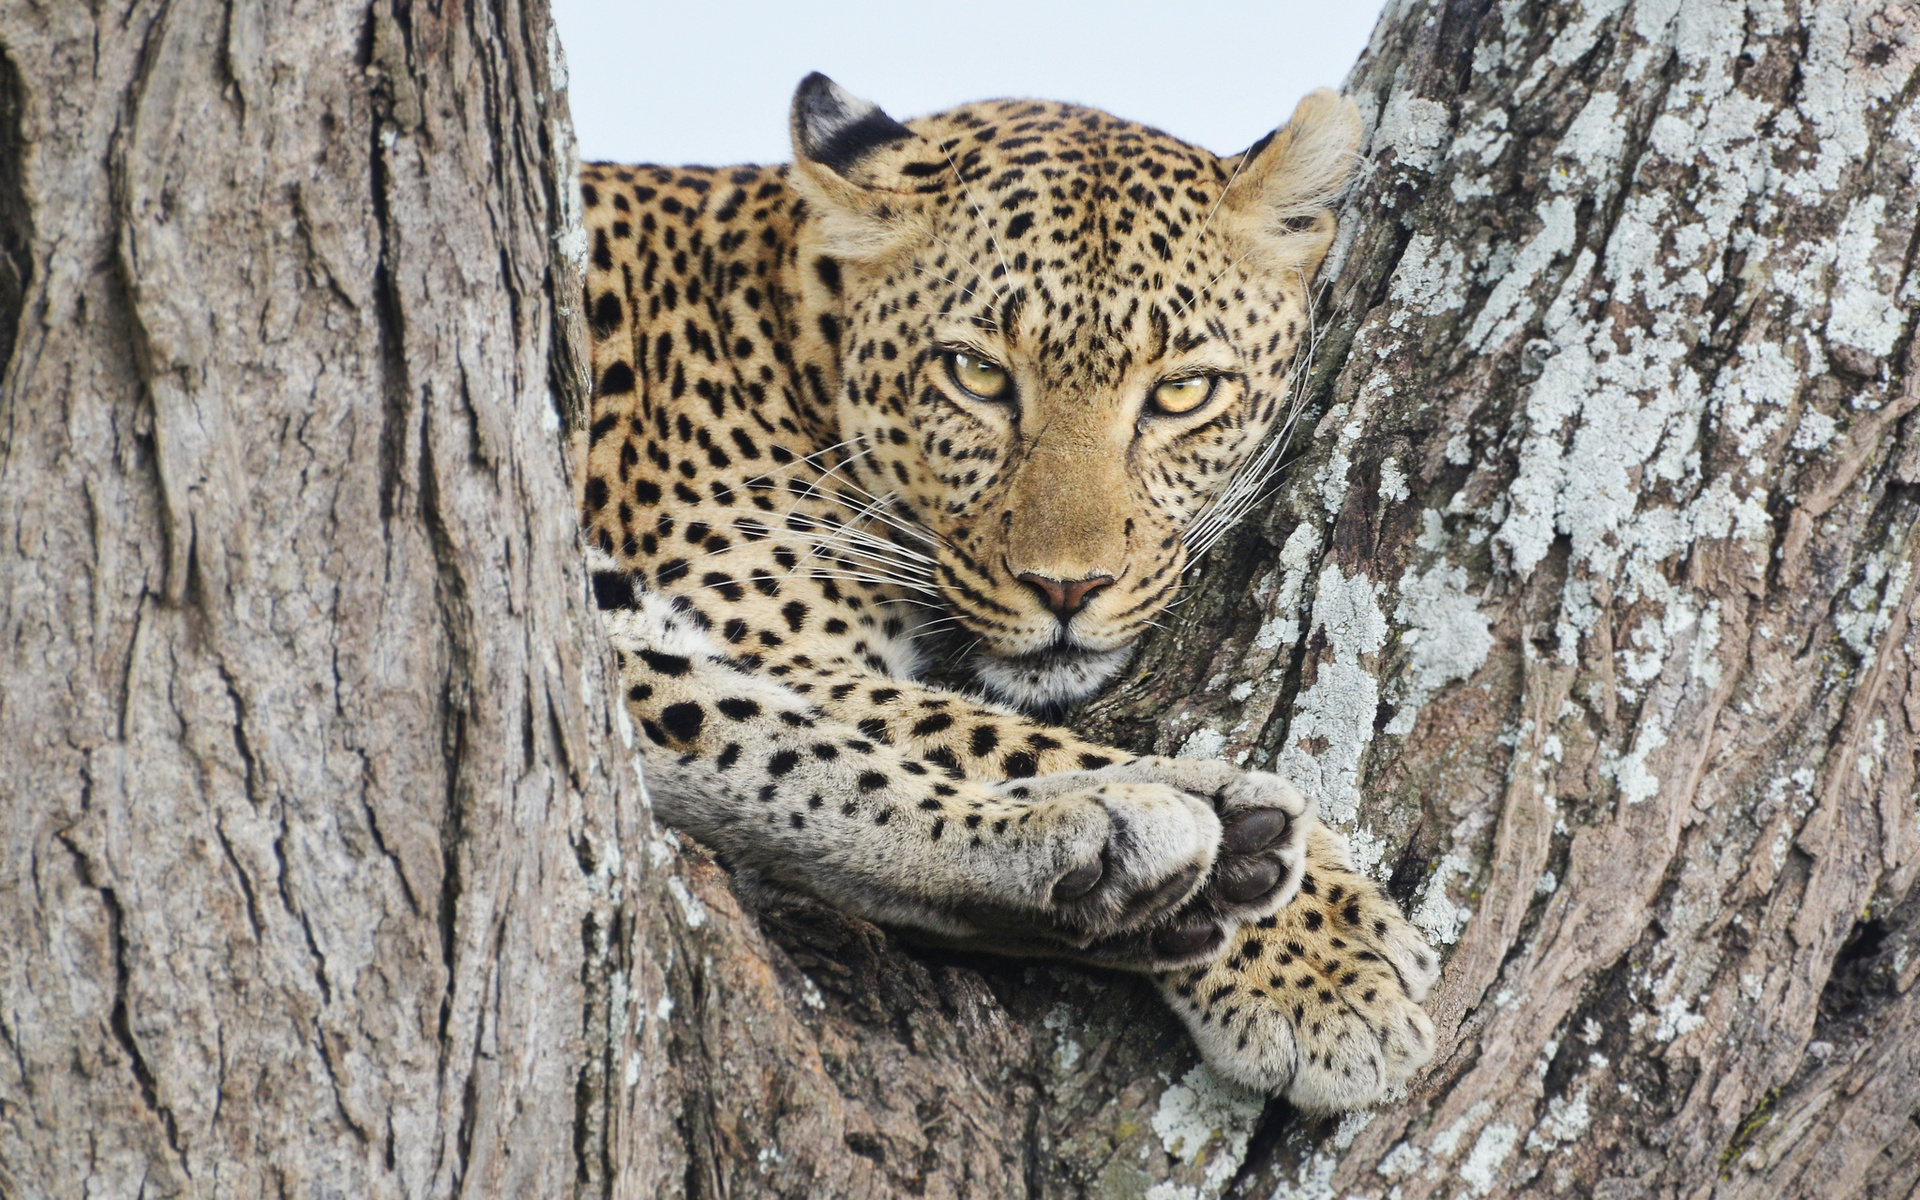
{"x": 1105, "y": 856}
{"x": 1319, "y": 1002}
{"x": 1260, "y": 862}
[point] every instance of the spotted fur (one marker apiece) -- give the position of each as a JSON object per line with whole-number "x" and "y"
{"x": 789, "y": 491}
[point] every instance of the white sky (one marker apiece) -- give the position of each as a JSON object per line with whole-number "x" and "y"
{"x": 693, "y": 82}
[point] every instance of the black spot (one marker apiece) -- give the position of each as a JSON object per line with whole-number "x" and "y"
{"x": 613, "y": 589}
{"x": 1019, "y": 225}
{"x": 667, "y": 664}
{"x": 931, "y": 725}
{"x": 739, "y": 710}
{"x": 1093, "y": 762}
{"x": 1020, "y": 765}
{"x": 1313, "y": 919}
{"x": 872, "y": 781}
{"x": 616, "y": 380}
{"x": 728, "y": 756}
{"x": 683, "y": 721}
{"x": 607, "y": 314}
{"x": 876, "y": 729}
{"x": 783, "y": 762}
{"x": 829, "y": 273}
{"x": 985, "y": 738}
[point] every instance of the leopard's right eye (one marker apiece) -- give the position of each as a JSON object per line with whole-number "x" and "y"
{"x": 979, "y": 377}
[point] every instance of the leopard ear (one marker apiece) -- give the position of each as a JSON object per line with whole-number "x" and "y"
{"x": 1279, "y": 204}
{"x": 862, "y": 172}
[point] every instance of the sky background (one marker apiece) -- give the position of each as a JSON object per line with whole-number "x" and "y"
{"x": 710, "y": 83}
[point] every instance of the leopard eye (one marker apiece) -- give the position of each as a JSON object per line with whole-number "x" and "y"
{"x": 979, "y": 377}
{"x": 1176, "y": 396}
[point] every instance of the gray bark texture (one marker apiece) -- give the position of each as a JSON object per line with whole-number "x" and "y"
{"x": 1587, "y": 605}
{"x": 313, "y": 803}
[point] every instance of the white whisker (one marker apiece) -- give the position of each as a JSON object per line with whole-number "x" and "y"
{"x": 1216, "y": 206}
{"x": 1180, "y": 309}
{"x": 1257, "y": 479}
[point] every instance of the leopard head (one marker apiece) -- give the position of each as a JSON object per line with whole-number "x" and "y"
{"x": 1059, "y": 335}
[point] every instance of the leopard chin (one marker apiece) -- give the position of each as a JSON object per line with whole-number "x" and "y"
{"x": 1048, "y": 679}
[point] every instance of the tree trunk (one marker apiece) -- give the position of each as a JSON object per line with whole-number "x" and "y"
{"x": 1588, "y": 607}
{"x": 321, "y": 846}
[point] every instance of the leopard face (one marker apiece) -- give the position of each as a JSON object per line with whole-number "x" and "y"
{"x": 1059, "y": 336}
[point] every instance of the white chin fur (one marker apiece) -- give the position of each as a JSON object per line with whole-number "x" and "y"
{"x": 1035, "y": 681}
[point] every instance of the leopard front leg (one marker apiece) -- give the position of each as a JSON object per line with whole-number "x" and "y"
{"x": 773, "y": 783}
{"x": 1263, "y": 820}
{"x": 1320, "y": 1001}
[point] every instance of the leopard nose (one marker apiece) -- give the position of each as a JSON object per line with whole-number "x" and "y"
{"x": 1064, "y": 598}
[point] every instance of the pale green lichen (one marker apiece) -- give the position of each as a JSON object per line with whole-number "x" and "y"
{"x": 1205, "y": 1118}
{"x": 1338, "y": 710}
{"x": 1447, "y": 637}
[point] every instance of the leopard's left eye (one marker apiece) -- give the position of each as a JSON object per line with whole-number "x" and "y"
{"x": 1176, "y": 396}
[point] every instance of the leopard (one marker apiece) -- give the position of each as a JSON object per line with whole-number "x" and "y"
{"x": 975, "y": 380}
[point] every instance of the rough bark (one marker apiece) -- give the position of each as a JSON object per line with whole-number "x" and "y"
{"x": 1588, "y": 607}
{"x": 313, "y": 805}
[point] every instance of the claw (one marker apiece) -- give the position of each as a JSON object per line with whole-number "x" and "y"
{"x": 1180, "y": 941}
{"x": 1170, "y": 892}
{"x": 1243, "y": 882}
{"x": 1078, "y": 882}
{"x": 1254, "y": 831}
